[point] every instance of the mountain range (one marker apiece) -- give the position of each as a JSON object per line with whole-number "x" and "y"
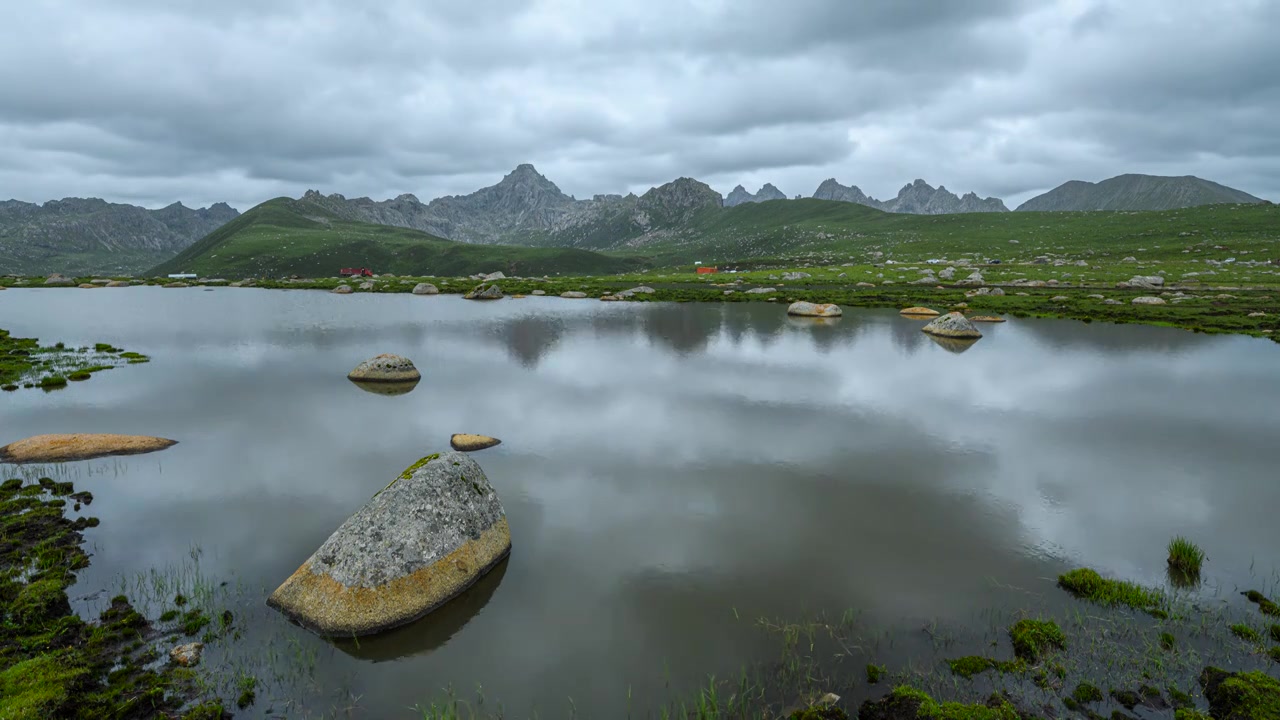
{"x": 523, "y": 208}
{"x": 78, "y": 235}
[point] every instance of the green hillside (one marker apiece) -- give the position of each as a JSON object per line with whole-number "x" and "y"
{"x": 294, "y": 237}
{"x": 825, "y": 230}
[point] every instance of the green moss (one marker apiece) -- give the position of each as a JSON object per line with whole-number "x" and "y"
{"x": 875, "y": 673}
{"x": 194, "y": 621}
{"x": 1247, "y": 695}
{"x": 1087, "y": 584}
{"x": 211, "y": 710}
{"x": 1246, "y": 633}
{"x": 1086, "y": 693}
{"x": 1167, "y": 641}
{"x": 248, "y": 685}
{"x": 1031, "y": 638}
{"x": 1189, "y": 714}
{"x": 79, "y": 375}
{"x": 1274, "y": 653}
{"x": 997, "y": 708}
{"x": 409, "y": 471}
{"x": 1264, "y": 603}
{"x": 1274, "y": 632}
{"x": 40, "y": 687}
{"x": 169, "y": 616}
{"x": 819, "y": 712}
{"x": 1180, "y": 699}
{"x": 967, "y": 667}
{"x": 53, "y": 381}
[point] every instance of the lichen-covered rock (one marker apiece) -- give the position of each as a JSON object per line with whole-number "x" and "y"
{"x": 484, "y": 292}
{"x": 79, "y": 446}
{"x": 425, "y": 289}
{"x": 436, "y": 529}
{"x": 465, "y": 442}
{"x": 88, "y": 286}
{"x": 117, "y": 284}
{"x": 987, "y": 318}
{"x": 1148, "y": 301}
{"x": 952, "y": 325}
{"x": 573, "y": 294}
{"x": 1240, "y": 695}
{"x": 57, "y": 280}
{"x": 795, "y": 275}
{"x": 342, "y": 290}
{"x": 538, "y": 292}
{"x": 187, "y": 655}
{"x": 808, "y": 309}
{"x": 918, "y": 312}
{"x": 975, "y": 278}
{"x": 643, "y": 289}
{"x": 760, "y": 291}
{"x": 385, "y": 368}
{"x": 495, "y": 276}
{"x": 366, "y": 285}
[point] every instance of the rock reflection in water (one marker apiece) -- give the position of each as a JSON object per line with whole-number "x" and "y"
{"x": 955, "y": 345}
{"x": 386, "y": 388}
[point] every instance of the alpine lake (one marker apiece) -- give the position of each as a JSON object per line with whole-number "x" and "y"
{"x": 704, "y": 499}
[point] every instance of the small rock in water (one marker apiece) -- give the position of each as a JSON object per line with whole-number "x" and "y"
{"x": 808, "y": 309}
{"x": 919, "y": 312}
{"x": 952, "y": 325}
{"x": 79, "y": 446}
{"x": 465, "y": 442}
{"x": 342, "y": 290}
{"x": 187, "y": 655}
{"x": 385, "y": 368}
{"x": 573, "y": 294}
{"x": 88, "y": 286}
{"x": 538, "y": 292}
{"x": 986, "y": 318}
{"x": 425, "y": 289}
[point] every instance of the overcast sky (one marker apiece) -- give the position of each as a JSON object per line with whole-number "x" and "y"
{"x": 152, "y": 101}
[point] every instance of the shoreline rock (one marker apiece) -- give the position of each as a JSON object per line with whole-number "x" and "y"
{"x": 808, "y": 309}
{"x": 920, "y": 312}
{"x": 484, "y": 292}
{"x": 79, "y": 446}
{"x": 418, "y": 543}
{"x": 425, "y": 289}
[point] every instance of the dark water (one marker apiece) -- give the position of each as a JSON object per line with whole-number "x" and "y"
{"x": 670, "y": 472}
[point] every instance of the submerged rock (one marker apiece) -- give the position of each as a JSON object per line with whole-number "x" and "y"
{"x": 79, "y": 446}
{"x": 417, "y": 543}
{"x": 187, "y": 655}
{"x": 808, "y": 309}
{"x": 952, "y": 325}
{"x": 425, "y": 289}
{"x": 385, "y": 368}
{"x": 87, "y": 286}
{"x": 342, "y": 290}
{"x": 484, "y": 292}
{"x": 919, "y": 312}
{"x": 465, "y": 442}
{"x": 117, "y": 283}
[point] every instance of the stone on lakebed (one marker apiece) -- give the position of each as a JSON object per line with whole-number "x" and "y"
{"x": 385, "y": 368}
{"x": 419, "y": 542}
{"x": 952, "y": 325}
{"x": 79, "y": 446}
{"x": 808, "y": 309}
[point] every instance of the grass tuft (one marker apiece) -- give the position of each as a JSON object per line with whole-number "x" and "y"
{"x": 1185, "y": 556}
{"x": 1087, "y": 584}
{"x": 1031, "y": 638}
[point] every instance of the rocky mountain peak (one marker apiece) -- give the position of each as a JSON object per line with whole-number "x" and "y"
{"x": 740, "y": 195}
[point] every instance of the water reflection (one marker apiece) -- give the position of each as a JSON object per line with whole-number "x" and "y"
{"x": 386, "y": 388}
{"x": 950, "y": 344}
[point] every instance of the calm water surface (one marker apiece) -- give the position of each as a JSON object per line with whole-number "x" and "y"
{"x": 670, "y": 472}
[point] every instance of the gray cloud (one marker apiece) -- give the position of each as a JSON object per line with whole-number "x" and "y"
{"x": 149, "y": 102}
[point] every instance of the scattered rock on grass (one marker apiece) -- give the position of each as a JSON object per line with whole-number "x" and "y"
{"x": 1147, "y": 300}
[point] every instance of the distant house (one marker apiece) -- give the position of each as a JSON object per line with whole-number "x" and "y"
{"x": 707, "y": 270}
{"x": 182, "y": 276}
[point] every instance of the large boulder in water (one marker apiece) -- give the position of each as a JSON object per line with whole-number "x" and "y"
{"x": 808, "y": 309}
{"x": 435, "y": 530}
{"x": 952, "y": 325}
{"x": 425, "y": 289}
{"x": 484, "y": 292}
{"x": 385, "y": 368}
